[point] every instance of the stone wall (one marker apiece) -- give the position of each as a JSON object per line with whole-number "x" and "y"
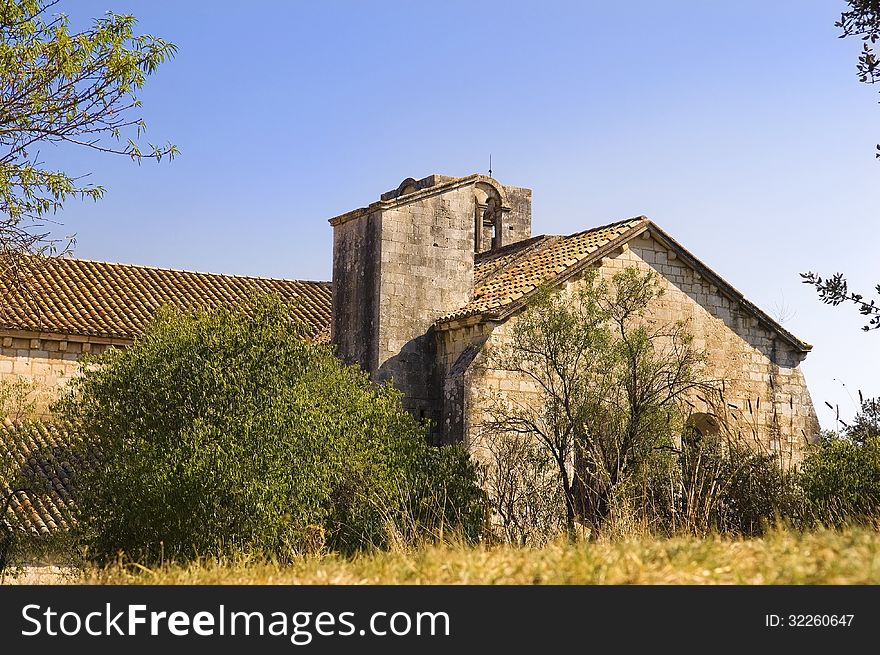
{"x": 765, "y": 392}
{"x": 764, "y": 388}
{"x": 417, "y": 246}
{"x": 355, "y": 317}
{"x": 427, "y": 270}
{"x": 46, "y": 361}
{"x": 457, "y": 351}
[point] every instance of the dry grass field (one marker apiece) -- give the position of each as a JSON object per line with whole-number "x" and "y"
{"x": 782, "y": 557}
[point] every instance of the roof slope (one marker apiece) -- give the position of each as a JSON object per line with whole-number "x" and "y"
{"x": 507, "y": 275}
{"x": 89, "y": 298}
{"x": 504, "y": 279}
{"x": 42, "y": 462}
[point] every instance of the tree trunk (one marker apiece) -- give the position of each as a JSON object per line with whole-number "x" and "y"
{"x": 569, "y": 501}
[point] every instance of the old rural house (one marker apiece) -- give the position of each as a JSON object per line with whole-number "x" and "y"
{"x": 423, "y": 280}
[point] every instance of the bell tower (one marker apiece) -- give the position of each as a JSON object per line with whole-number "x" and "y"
{"x": 404, "y": 261}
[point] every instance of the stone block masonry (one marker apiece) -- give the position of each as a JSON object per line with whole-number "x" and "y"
{"x": 765, "y": 396}
{"x": 404, "y": 261}
{"x": 406, "y": 307}
{"x": 46, "y": 361}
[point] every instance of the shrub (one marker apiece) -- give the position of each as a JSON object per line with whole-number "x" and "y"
{"x": 525, "y": 497}
{"x": 738, "y": 491}
{"x": 715, "y": 484}
{"x": 841, "y": 480}
{"x": 225, "y": 431}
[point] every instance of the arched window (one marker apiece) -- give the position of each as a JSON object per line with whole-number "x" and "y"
{"x": 707, "y": 424}
{"x": 701, "y": 427}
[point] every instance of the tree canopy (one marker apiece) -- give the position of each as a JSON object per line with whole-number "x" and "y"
{"x": 835, "y": 290}
{"x": 225, "y": 431}
{"x": 610, "y": 386}
{"x": 862, "y": 19}
{"x": 64, "y": 87}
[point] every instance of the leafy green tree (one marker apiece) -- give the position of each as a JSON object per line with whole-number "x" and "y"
{"x": 611, "y": 385}
{"x": 59, "y": 86}
{"x": 865, "y": 424}
{"x": 225, "y": 431}
{"x": 841, "y": 477}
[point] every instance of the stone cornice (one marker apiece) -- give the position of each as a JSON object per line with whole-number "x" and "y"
{"x": 421, "y": 194}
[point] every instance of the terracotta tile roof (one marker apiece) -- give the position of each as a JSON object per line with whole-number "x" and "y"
{"x": 39, "y": 458}
{"x": 323, "y": 336}
{"x": 89, "y": 298}
{"x": 487, "y": 263}
{"x": 504, "y": 276}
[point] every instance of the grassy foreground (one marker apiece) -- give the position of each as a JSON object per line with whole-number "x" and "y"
{"x": 782, "y": 557}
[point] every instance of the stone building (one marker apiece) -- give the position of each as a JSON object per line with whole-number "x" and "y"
{"x": 68, "y": 306}
{"x": 424, "y": 279}
{"x": 436, "y": 271}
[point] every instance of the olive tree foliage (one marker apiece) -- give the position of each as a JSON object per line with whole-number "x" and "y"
{"x": 609, "y": 382}
{"x": 835, "y": 290}
{"x": 64, "y": 87}
{"x": 225, "y": 431}
{"x": 862, "y": 20}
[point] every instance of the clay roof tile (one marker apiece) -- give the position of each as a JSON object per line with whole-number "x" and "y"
{"x": 89, "y": 298}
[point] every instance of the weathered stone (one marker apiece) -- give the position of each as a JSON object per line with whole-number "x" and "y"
{"x": 407, "y": 260}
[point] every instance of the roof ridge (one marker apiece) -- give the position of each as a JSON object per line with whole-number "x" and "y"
{"x": 503, "y": 250}
{"x": 720, "y": 281}
{"x": 641, "y": 217}
{"x": 184, "y": 270}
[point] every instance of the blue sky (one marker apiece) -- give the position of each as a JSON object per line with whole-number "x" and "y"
{"x": 740, "y": 128}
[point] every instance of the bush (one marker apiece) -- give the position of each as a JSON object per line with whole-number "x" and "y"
{"x": 841, "y": 480}
{"x": 525, "y": 497}
{"x": 225, "y": 431}
{"x": 715, "y": 484}
{"x": 739, "y": 490}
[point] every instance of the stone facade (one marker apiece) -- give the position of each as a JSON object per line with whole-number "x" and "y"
{"x": 764, "y": 388}
{"x": 424, "y": 280}
{"x": 405, "y": 261}
{"x": 46, "y": 361}
{"x": 403, "y": 265}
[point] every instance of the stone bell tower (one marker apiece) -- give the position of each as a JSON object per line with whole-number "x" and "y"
{"x": 408, "y": 259}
